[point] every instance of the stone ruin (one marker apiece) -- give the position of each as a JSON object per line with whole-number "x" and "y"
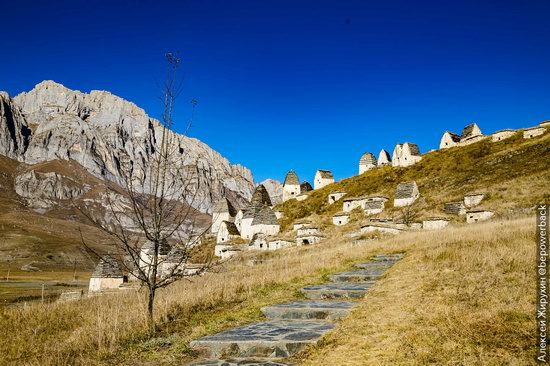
{"x": 474, "y": 216}
{"x": 291, "y": 186}
{"x": 384, "y": 158}
{"x": 341, "y": 218}
{"x": 473, "y": 199}
{"x": 405, "y": 194}
{"x": 470, "y": 134}
{"x": 106, "y": 276}
{"x": 435, "y": 223}
{"x": 367, "y": 162}
{"x": 455, "y": 208}
{"x": 335, "y": 196}
{"x": 323, "y": 178}
{"x": 405, "y": 155}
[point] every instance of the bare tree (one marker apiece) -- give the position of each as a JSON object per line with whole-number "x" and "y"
{"x": 409, "y": 215}
{"x": 152, "y": 223}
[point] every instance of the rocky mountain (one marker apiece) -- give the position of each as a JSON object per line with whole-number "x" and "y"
{"x": 275, "y": 190}
{"x": 99, "y": 130}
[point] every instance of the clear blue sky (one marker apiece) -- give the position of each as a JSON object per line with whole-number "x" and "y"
{"x": 298, "y": 84}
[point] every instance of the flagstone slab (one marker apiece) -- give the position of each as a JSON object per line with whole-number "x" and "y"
{"x": 361, "y": 275}
{"x": 309, "y": 310}
{"x": 375, "y": 265}
{"x": 388, "y": 257}
{"x": 271, "y": 339}
{"x": 337, "y": 290}
{"x": 247, "y": 362}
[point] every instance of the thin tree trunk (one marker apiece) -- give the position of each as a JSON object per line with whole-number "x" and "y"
{"x": 150, "y": 310}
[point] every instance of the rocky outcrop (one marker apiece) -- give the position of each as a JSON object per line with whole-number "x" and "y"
{"x": 275, "y": 190}
{"x": 43, "y": 190}
{"x": 100, "y": 131}
{"x": 14, "y": 132}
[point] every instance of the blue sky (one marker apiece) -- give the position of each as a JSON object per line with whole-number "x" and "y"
{"x": 296, "y": 84}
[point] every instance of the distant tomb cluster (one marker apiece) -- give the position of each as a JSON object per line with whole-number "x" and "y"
{"x": 256, "y": 227}
{"x": 109, "y": 274}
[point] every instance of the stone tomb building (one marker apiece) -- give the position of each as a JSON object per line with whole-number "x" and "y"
{"x": 367, "y": 162}
{"x": 502, "y": 135}
{"x": 323, "y": 178}
{"x": 291, "y": 186}
{"x": 533, "y": 132}
{"x": 341, "y": 218}
{"x": 384, "y": 158}
{"x": 406, "y": 154}
{"x": 455, "y": 208}
{"x": 335, "y": 196}
{"x": 474, "y": 216}
{"x": 373, "y": 206}
{"x": 353, "y": 202}
{"x": 435, "y": 223}
{"x": 107, "y": 275}
{"x": 473, "y": 199}
{"x": 471, "y": 134}
{"x": 308, "y": 235}
{"x": 222, "y": 211}
{"x": 449, "y": 139}
{"x": 405, "y": 194}
{"x": 227, "y": 232}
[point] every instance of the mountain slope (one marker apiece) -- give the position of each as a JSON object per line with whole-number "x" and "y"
{"x": 513, "y": 172}
{"x": 98, "y": 130}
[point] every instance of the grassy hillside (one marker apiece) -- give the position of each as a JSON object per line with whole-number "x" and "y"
{"x": 462, "y": 295}
{"x": 514, "y": 173}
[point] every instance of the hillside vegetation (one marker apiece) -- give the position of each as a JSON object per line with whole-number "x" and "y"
{"x": 513, "y": 172}
{"x": 464, "y": 295}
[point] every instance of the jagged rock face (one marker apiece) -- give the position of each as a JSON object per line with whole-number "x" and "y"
{"x": 99, "y": 130}
{"x": 275, "y": 190}
{"x": 43, "y": 190}
{"x": 14, "y": 133}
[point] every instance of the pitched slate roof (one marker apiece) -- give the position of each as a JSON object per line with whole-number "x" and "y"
{"x": 383, "y": 157}
{"x": 374, "y": 205}
{"x": 305, "y": 187}
{"x": 413, "y": 148}
{"x": 291, "y": 179}
{"x": 367, "y": 158}
{"x": 468, "y": 130}
{"x": 454, "y": 207}
{"x": 453, "y": 136}
{"x": 223, "y": 206}
{"x": 265, "y": 216}
{"x": 405, "y": 190}
{"x": 107, "y": 267}
{"x": 260, "y": 197}
{"x": 327, "y": 174}
{"x": 231, "y": 228}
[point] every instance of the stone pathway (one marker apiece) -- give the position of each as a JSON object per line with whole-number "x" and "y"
{"x": 293, "y": 326}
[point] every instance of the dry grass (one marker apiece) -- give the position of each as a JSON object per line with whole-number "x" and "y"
{"x": 461, "y": 296}
{"x": 464, "y": 296}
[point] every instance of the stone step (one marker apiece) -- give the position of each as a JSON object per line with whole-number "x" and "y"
{"x": 360, "y": 275}
{"x": 271, "y": 339}
{"x": 309, "y": 310}
{"x": 374, "y": 265}
{"x": 388, "y": 257}
{"x": 337, "y": 290}
{"x": 246, "y": 362}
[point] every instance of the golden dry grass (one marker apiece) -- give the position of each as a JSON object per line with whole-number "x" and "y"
{"x": 461, "y": 296}
{"x": 464, "y": 296}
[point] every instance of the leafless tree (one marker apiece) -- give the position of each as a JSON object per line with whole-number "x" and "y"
{"x": 409, "y": 215}
{"x": 152, "y": 222}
